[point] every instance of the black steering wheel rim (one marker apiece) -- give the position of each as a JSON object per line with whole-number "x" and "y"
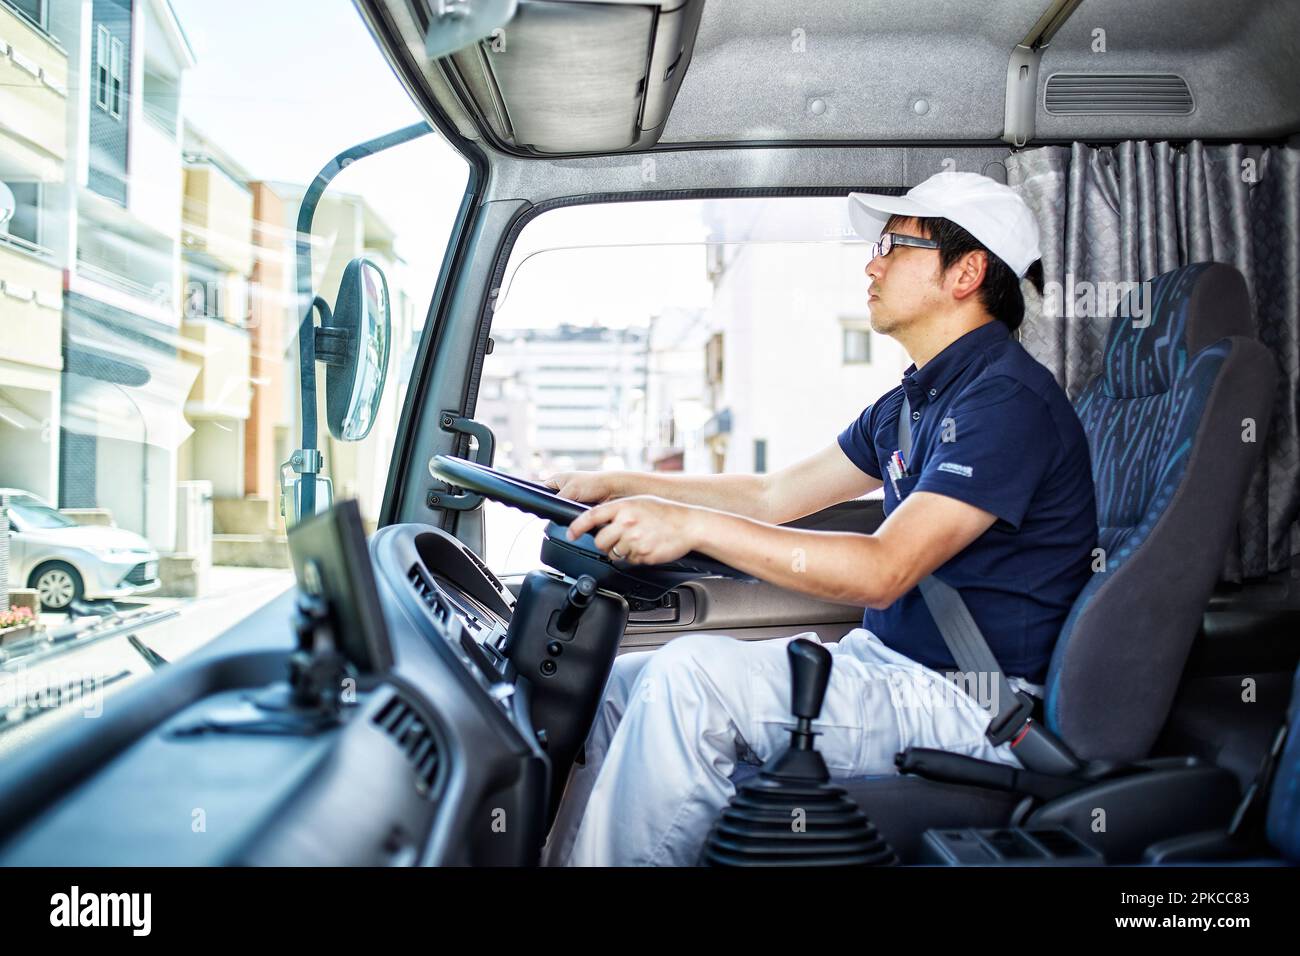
{"x": 517, "y": 492}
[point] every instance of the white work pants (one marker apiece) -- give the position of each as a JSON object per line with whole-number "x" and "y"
{"x": 673, "y": 723}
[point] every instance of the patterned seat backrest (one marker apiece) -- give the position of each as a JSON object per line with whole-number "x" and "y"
{"x": 1284, "y": 798}
{"x": 1174, "y": 423}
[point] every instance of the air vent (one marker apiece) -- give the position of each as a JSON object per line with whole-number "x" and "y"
{"x": 424, "y": 589}
{"x": 1108, "y": 93}
{"x": 400, "y": 722}
{"x": 421, "y": 584}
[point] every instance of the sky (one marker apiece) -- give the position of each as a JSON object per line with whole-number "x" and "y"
{"x": 284, "y": 85}
{"x": 575, "y": 265}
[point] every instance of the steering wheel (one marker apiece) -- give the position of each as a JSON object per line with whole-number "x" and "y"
{"x": 541, "y": 501}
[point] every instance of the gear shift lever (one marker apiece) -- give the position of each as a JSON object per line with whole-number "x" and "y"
{"x": 810, "y": 673}
{"x": 810, "y": 670}
{"x": 791, "y": 815}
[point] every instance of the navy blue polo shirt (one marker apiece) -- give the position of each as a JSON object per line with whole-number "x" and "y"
{"x": 991, "y": 427}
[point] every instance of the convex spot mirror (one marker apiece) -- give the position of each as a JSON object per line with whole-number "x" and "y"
{"x": 354, "y": 343}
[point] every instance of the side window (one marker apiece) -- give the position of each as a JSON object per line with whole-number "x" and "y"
{"x": 149, "y": 376}
{"x": 34, "y": 10}
{"x": 110, "y": 70}
{"x": 857, "y": 340}
{"x": 103, "y": 41}
{"x": 703, "y": 336}
{"x": 115, "y": 65}
{"x": 26, "y": 222}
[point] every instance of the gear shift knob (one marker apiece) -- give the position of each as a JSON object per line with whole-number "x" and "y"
{"x": 810, "y": 671}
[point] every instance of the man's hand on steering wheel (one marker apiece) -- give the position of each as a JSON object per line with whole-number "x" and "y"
{"x": 588, "y": 487}
{"x": 642, "y": 529}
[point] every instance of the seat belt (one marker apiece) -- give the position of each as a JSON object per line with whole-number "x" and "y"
{"x": 1035, "y": 747}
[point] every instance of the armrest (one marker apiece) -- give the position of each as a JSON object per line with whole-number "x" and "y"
{"x": 1206, "y": 846}
{"x": 1123, "y": 815}
{"x": 948, "y": 767}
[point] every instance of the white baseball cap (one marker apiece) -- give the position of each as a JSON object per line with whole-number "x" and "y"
{"x": 991, "y": 212}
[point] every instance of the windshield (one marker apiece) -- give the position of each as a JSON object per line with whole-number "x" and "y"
{"x": 748, "y": 351}
{"x": 33, "y": 514}
{"x": 150, "y": 386}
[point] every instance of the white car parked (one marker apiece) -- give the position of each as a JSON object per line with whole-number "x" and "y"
{"x": 65, "y": 561}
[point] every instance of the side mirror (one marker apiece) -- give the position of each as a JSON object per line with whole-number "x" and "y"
{"x": 353, "y": 343}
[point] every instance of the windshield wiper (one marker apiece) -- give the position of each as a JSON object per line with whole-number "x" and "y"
{"x": 55, "y": 697}
{"x": 151, "y": 657}
{"x": 83, "y": 633}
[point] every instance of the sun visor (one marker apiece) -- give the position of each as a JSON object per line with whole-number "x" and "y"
{"x": 574, "y": 76}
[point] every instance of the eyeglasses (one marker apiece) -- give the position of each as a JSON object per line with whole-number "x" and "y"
{"x": 891, "y": 239}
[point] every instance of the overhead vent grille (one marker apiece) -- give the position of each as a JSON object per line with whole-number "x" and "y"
{"x": 408, "y": 730}
{"x": 1106, "y": 93}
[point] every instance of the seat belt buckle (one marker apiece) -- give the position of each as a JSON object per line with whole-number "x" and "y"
{"x": 1013, "y": 722}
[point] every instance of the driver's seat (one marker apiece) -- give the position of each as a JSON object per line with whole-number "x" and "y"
{"x": 1175, "y": 423}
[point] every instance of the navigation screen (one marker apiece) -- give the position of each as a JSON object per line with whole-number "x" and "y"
{"x": 330, "y": 560}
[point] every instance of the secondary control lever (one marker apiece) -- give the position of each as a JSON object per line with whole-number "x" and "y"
{"x": 575, "y": 603}
{"x": 562, "y": 640}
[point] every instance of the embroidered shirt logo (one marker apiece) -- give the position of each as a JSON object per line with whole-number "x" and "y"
{"x": 964, "y": 470}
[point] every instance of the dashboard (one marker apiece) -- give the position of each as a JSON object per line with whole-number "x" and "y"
{"x": 435, "y": 587}
{"x": 434, "y": 763}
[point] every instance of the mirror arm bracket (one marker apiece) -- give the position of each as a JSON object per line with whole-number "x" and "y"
{"x": 307, "y": 461}
{"x": 332, "y": 345}
{"x": 304, "y": 461}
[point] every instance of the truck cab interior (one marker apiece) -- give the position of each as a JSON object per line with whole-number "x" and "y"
{"x": 1158, "y": 144}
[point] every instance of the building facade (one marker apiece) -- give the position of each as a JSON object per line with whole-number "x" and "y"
{"x": 216, "y": 266}
{"x": 34, "y": 129}
{"x": 791, "y": 358}
{"x": 148, "y": 313}
{"x": 585, "y": 387}
{"x": 126, "y": 373}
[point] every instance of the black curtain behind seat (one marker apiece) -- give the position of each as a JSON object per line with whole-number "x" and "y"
{"x": 1126, "y": 213}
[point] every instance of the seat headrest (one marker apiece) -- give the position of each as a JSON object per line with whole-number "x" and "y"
{"x": 1163, "y": 323}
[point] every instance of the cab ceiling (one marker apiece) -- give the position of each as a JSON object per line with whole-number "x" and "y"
{"x": 903, "y": 71}
{"x": 871, "y": 63}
